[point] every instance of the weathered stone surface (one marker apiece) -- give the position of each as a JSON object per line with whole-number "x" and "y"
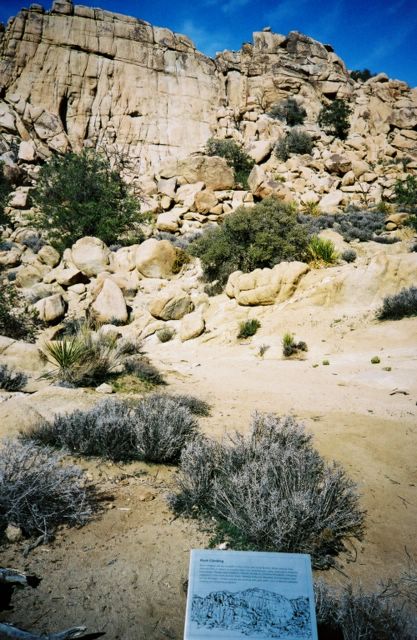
{"x": 260, "y": 150}
{"x": 27, "y": 151}
{"x": 90, "y": 255}
{"x": 48, "y": 255}
{"x": 266, "y": 286}
{"x": 331, "y": 201}
{"x": 155, "y": 258}
{"x": 192, "y": 326}
{"x": 28, "y": 276}
{"x": 205, "y": 201}
{"x": 110, "y": 304}
{"x": 169, "y": 220}
{"x": 213, "y": 171}
{"x": 51, "y": 308}
{"x": 171, "y": 305}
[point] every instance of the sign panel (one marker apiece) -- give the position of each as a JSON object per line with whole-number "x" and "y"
{"x": 236, "y": 595}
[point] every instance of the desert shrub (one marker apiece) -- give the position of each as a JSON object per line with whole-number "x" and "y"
{"x": 235, "y": 157}
{"x": 375, "y": 360}
{"x": 349, "y": 255}
{"x": 87, "y": 357}
{"x": 263, "y": 348}
{"x": 166, "y": 334}
{"x": 197, "y": 406}
{"x": 11, "y": 380}
{"x": 34, "y": 242}
{"x": 5, "y": 189}
{"x": 289, "y": 111}
{"x": 406, "y": 195}
{"x": 413, "y": 247}
{"x": 273, "y": 490}
{"x": 144, "y": 370}
{"x": 354, "y": 225}
{"x": 334, "y": 118}
{"x": 18, "y": 320}
{"x": 312, "y": 208}
{"x": 156, "y": 429}
{"x": 361, "y": 74}
{"x": 400, "y": 305}
{"x": 357, "y": 615}
{"x": 38, "y": 493}
{"x": 248, "y": 328}
{"x": 295, "y": 141}
{"x": 81, "y": 195}
{"x": 322, "y": 250}
{"x": 252, "y": 238}
{"x": 290, "y": 347}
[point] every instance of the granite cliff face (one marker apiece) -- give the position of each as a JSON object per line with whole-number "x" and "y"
{"x": 78, "y": 76}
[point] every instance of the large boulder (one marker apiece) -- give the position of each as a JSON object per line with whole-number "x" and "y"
{"x": 171, "y": 304}
{"x": 192, "y": 326}
{"x": 110, "y": 305}
{"x": 90, "y": 255}
{"x": 156, "y": 258}
{"x": 266, "y": 286}
{"x": 51, "y": 308}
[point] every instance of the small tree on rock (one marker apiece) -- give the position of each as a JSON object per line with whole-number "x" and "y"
{"x": 334, "y": 118}
{"x": 81, "y": 195}
{"x": 5, "y": 189}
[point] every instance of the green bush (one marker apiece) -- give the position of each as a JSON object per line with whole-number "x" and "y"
{"x": 400, "y": 305}
{"x": 11, "y": 380}
{"x": 17, "y": 319}
{"x": 406, "y": 196}
{"x": 5, "y": 188}
{"x": 235, "y": 157}
{"x": 166, "y": 334}
{"x": 289, "y": 110}
{"x": 248, "y": 328}
{"x": 250, "y": 238}
{"x": 295, "y": 141}
{"x": 322, "y": 250}
{"x": 81, "y": 195}
{"x": 334, "y": 118}
{"x": 290, "y": 347}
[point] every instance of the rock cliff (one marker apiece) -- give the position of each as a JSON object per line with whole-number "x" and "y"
{"x": 78, "y": 76}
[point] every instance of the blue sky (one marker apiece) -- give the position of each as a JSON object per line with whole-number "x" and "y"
{"x": 378, "y": 34}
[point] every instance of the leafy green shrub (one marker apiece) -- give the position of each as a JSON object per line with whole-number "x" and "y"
{"x": 166, "y": 334}
{"x": 361, "y": 74}
{"x": 375, "y": 360}
{"x": 235, "y": 157}
{"x": 252, "y": 238}
{"x": 86, "y": 358}
{"x": 18, "y": 320}
{"x": 406, "y": 195}
{"x": 295, "y": 141}
{"x": 349, "y": 255}
{"x": 325, "y": 363}
{"x": 399, "y": 305}
{"x": 155, "y": 430}
{"x": 248, "y": 328}
{"x": 38, "y": 493}
{"x": 290, "y": 347}
{"x": 81, "y": 195}
{"x": 334, "y": 118}
{"x": 289, "y": 111}
{"x": 5, "y": 189}
{"x": 322, "y": 250}
{"x": 355, "y": 225}
{"x": 11, "y": 380}
{"x": 273, "y": 491}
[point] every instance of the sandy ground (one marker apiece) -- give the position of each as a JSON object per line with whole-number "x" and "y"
{"x": 124, "y": 572}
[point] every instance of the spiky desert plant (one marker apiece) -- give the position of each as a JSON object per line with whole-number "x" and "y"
{"x": 322, "y": 250}
{"x": 248, "y": 328}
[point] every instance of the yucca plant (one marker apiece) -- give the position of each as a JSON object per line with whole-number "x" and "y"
{"x": 68, "y": 355}
{"x": 312, "y": 208}
{"x": 322, "y": 250}
{"x": 248, "y": 328}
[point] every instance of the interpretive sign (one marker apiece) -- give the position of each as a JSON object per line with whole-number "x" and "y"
{"x": 246, "y": 594}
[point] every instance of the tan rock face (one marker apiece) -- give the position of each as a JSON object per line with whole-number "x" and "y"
{"x": 51, "y": 308}
{"x": 110, "y": 304}
{"x": 171, "y": 305}
{"x": 155, "y": 258}
{"x": 266, "y": 286}
{"x": 90, "y": 256}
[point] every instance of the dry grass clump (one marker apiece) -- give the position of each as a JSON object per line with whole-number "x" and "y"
{"x": 357, "y": 615}
{"x": 38, "y": 493}
{"x": 156, "y": 429}
{"x": 271, "y": 491}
